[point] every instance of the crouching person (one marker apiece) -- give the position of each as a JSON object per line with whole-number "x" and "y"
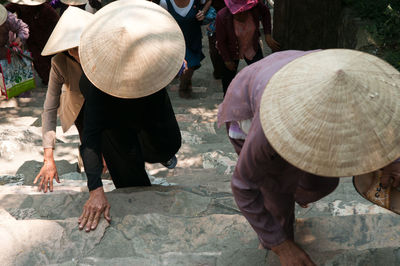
{"x": 128, "y": 117}
{"x": 299, "y": 121}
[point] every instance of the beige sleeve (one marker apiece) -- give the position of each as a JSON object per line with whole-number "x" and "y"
{"x": 51, "y": 104}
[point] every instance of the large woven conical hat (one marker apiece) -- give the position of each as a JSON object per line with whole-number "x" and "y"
{"x": 3, "y": 15}
{"x": 133, "y": 48}
{"x": 74, "y": 2}
{"x": 28, "y": 2}
{"x": 67, "y": 32}
{"x": 334, "y": 113}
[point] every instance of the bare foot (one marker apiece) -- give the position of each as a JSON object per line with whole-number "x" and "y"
{"x": 292, "y": 255}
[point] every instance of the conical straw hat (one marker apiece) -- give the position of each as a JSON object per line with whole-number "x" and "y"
{"x": 334, "y": 113}
{"x": 74, "y": 2}
{"x": 28, "y": 2}
{"x": 3, "y": 15}
{"x": 67, "y": 32}
{"x": 132, "y": 48}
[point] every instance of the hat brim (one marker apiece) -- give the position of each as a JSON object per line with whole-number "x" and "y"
{"x": 334, "y": 113}
{"x": 28, "y": 2}
{"x": 74, "y": 2}
{"x": 124, "y": 53}
{"x": 67, "y": 32}
{"x": 3, "y": 15}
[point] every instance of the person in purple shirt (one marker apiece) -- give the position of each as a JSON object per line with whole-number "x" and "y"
{"x": 238, "y": 35}
{"x": 280, "y": 161}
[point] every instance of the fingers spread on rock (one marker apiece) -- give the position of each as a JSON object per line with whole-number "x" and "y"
{"x": 37, "y": 177}
{"x": 96, "y": 220}
{"x": 90, "y": 220}
{"x": 83, "y": 219}
{"x": 51, "y": 185}
{"x": 45, "y": 184}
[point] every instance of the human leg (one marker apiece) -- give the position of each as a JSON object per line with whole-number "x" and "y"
{"x": 215, "y": 57}
{"x": 161, "y": 139}
{"x": 185, "y": 85}
{"x": 122, "y": 153}
{"x": 258, "y": 56}
{"x": 228, "y": 75}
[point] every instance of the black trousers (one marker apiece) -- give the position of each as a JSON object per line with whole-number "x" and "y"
{"x": 126, "y": 149}
{"x": 229, "y": 75}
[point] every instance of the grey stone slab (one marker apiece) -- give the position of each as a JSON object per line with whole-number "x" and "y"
{"x": 349, "y": 240}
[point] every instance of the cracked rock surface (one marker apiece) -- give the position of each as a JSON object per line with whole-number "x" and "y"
{"x": 188, "y": 216}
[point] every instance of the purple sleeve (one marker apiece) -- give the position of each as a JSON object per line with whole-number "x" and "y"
{"x": 265, "y": 18}
{"x": 261, "y": 189}
{"x": 222, "y": 37}
{"x": 18, "y": 27}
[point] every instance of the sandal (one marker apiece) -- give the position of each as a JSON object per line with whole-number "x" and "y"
{"x": 370, "y": 188}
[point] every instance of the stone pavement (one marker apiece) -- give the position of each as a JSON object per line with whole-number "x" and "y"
{"x": 188, "y": 217}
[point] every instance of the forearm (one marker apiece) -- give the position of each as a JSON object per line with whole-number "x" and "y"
{"x": 92, "y": 162}
{"x": 48, "y": 154}
{"x": 266, "y": 19}
{"x": 50, "y": 107}
{"x": 222, "y": 44}
{"x": 206, "y": 6}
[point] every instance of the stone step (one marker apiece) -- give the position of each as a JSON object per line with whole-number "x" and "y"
{"x": 174, "y": 225}
{"x": 349, "y": 240}
{"x": 135, "y": 239}
{"x": 344, "y": 201}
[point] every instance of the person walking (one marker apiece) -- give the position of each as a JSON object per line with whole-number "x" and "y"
{"x": 189, "y": 14}
{"x": 238, "y": 35}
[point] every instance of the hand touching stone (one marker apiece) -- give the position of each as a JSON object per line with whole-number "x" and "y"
{"x": 92, "y": 210}
{"x": 48, "y": 172}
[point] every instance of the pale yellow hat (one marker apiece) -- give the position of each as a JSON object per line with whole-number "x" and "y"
{"x": 3, "y": 15}
{"x": 132, "y": 48}
{"x": 67, "y": 32}
{"x": 74, "y": 2}
{"x": 28, "y": 2}
{"x": 334, "y": 113}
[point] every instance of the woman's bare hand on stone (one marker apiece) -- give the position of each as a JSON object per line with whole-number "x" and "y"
{"x": 46, "y": 175}
{"x": 96, "y": 205}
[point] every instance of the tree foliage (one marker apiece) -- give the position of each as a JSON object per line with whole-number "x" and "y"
{"x": 384, "y": 27}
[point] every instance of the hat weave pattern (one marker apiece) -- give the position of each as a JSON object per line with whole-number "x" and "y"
{"x": 334, "y": 113}
{"x": 3, "y": 15}
{"x": 68, "y": 30}
{"x": 132, "y": 49}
